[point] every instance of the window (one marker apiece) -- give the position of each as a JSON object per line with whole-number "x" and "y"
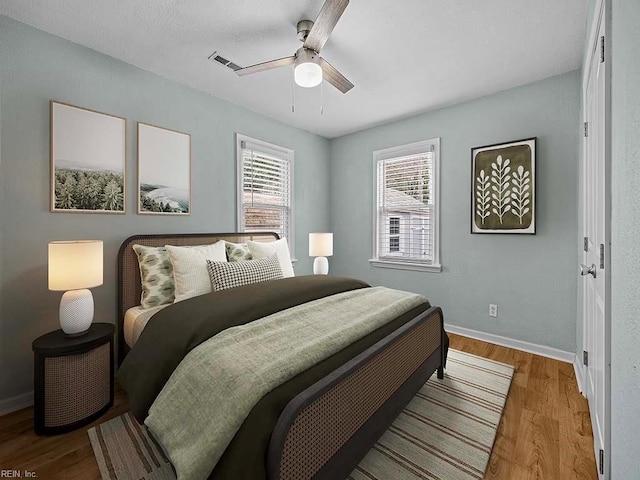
{"x": 394, "y": 234}
{"x": 265, "y": 187}
{"x": 407, "y": 207}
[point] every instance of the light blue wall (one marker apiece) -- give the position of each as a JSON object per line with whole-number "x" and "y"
{"x": 625, "y": 244}
{"x": 591, "y": 11}
{"x": 37, "y": 67}
{"x": 532, "y": 278}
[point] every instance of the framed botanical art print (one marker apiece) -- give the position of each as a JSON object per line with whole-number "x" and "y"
{"x": 503, "y": 188}
{"x": 164, "y": 171}
{"x": 87, "y": 160}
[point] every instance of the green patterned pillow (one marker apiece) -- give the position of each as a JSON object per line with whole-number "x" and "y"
{"x": 238, "y": 252}
{"x": 156, "y": 274}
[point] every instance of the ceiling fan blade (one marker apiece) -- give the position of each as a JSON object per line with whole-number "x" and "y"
{"x": 329, "y": 15}
{"x": 334, "y": 77}
{"x": 261, "y": 67}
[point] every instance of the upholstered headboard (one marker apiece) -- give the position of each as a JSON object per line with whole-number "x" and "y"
{"x": 129, "y": 285}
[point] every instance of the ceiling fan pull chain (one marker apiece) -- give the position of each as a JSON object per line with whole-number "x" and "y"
{"x": 321, "y": 99}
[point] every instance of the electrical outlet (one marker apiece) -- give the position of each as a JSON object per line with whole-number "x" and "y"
{"x": 493, "y": 310}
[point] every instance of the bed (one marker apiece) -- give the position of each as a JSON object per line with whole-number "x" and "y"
{"x": 314, "y": 426}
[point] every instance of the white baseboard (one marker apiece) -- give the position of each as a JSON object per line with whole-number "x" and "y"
{"x": 579, "y": 370}
{"x": 542, "y": 350}
{"x": 18, "y": 402}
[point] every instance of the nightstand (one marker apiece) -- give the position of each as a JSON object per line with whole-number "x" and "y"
{"x": 73, "y": 382}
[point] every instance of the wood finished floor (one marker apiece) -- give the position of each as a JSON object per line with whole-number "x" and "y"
{"x": 545, "y": 432}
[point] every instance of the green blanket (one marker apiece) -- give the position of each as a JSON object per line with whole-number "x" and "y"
{"x": 217, "y": 384}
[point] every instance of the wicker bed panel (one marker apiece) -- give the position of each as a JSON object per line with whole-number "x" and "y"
{"x": 325, "y": 425}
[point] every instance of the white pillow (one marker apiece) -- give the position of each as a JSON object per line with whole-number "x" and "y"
{"x": 190, "y": 274}
{"x": 280, "y": 247}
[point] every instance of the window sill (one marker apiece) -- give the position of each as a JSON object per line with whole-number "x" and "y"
{"x": 406, "y": 265}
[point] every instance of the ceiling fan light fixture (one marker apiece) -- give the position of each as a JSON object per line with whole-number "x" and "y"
{"x": 307, "y": 71}
{"x": 308, "y": 66}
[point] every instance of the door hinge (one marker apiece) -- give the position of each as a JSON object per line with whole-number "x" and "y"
{"x": 585, "y": 357}
{"x": 601, "y": 462}
{"x": 602, "y": 49}
{"x": 586, "y": 129}
{"x": 601, "y": 256}
{"x": 586, "y": 244}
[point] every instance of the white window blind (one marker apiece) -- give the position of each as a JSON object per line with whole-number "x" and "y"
{"x": 265, "y": 188}
{"x": 406, "y": 204}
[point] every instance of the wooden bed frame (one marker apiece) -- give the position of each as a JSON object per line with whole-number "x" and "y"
{"x": 326, "y": 430}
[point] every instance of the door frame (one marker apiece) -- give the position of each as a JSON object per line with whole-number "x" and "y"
{"x": 602, "y": 13}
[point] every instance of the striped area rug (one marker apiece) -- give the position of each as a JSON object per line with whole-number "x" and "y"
{"x": 446, "y": 432}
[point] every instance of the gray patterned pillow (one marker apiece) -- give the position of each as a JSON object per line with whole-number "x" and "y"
{"x": 156, "y": 274}
{"x": 238, "y": 252}
{"x": 225, "y": 275}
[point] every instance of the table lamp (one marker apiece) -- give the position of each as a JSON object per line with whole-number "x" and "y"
{"x": 321, "y": 247}
{"x": 74, "y": 267}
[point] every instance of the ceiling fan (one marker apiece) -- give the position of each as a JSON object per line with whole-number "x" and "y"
{"x": 310, "y": 67}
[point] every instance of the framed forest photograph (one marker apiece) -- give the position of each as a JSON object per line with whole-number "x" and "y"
{"x": 503, "y": 188}
{"x": 87, "y": 160}
{"x": 164, "y": 171}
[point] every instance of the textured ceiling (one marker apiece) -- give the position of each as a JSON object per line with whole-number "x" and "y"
{"x": 404, "y": 56}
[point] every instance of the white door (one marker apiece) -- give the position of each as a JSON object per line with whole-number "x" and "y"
{"x": 595, "y": 258}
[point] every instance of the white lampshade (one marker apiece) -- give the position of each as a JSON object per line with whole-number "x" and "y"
{"x": 308, "y": 75}
{"x": 75, "y": 265}
{"x": 307, "y": 72}
{"x": 320, "y": 244}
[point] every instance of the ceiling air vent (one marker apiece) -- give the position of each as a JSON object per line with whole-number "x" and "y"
{"x": 214, "y": 57}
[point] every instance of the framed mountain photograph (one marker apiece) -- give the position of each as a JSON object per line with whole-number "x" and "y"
{"x": 164, "y": 171}
{"x": 503, "y": 188}
{"x": 87, "y": 160}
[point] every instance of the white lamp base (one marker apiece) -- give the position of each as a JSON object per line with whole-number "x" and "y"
{"x": 321, "y": 266}
{"x": 76, "y": 312}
